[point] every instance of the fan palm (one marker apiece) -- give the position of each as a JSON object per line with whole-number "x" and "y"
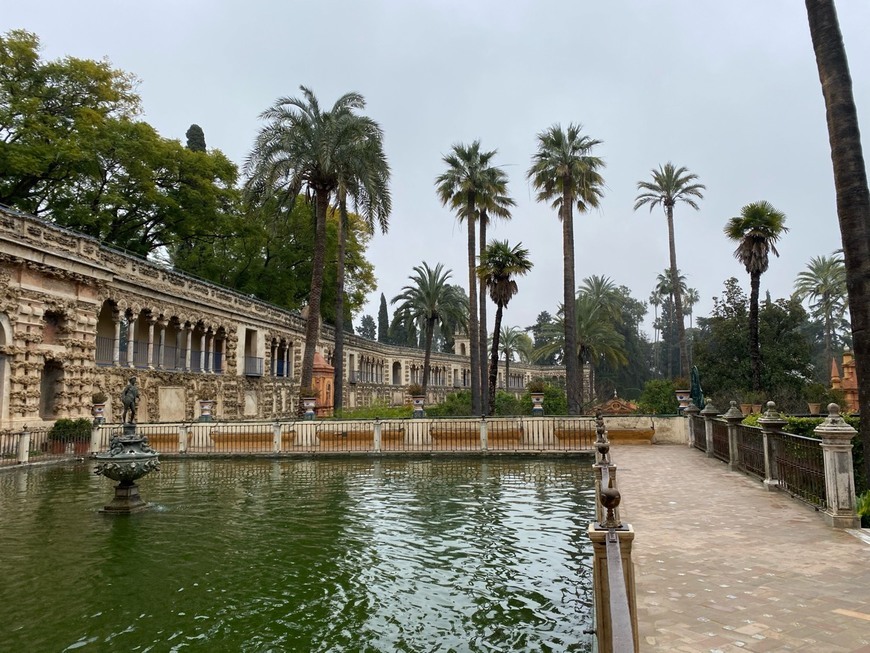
{"x": 429, "y": 301}
{"x": 823, "y": 283}
{"x": 499, "y": 266}
{"x": 690, "y": 298}
{"x": 467, "y": 187}
{"x": 565, "y": 173}
{"x": 513, "y": 340}
{"x": 303, "y": 148}
{"x": 756, "y": 231}
{"x": 670, "y": 185}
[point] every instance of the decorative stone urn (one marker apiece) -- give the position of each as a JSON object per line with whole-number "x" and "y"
{"x": 128, "y": 459}
{"x": 308, "y": 403}
{"x": 537, "y": 404}
{"x": 205, "y": 408}
{"x": 683, "y": 398}
{"x": 418, "y": 402}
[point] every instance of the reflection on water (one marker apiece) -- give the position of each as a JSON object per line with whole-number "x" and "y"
{"x": 310, "y": 555}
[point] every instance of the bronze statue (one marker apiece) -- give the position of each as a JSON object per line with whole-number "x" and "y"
{"x": 129, "y": 399}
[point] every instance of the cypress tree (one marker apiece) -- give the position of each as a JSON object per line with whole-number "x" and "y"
{"x": 383, "y": 321}
{"x": 195, "y": 138}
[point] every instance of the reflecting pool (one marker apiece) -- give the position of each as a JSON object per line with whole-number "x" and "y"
{"x": 301, "y": 555}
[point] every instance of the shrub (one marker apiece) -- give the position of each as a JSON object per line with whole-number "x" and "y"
{"x": 70, "y": 430}
{"x": 377, "y": 409}
{"x": 456, "y": 404}
{"x": 99, "y": 397}
{"x": 415, "y": 390}
{"x": 555, "y": 401}
{"x": 658, "y": 398}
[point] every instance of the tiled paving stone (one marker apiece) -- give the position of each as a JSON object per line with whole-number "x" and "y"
{"x": 721, "y": 564}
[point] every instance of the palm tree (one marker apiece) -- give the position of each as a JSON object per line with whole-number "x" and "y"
{"x": 565, "y": 173}
{"x": 690, "y": 298}
{"x": 670, "y": 185}
{"x": 429, "y": 301}
{"x": 605, "y": 292}
{"x": 655, "y": 300}
{"x": 756, "y": 231}
{"x": 513, "y": 340}
{"x": 305, "y": 148}
{"x": 665, "y": 288}
{"x": 850, "y": 180}
{"x": 467, "y": 186}
{"x": 499, "y": 265}
{"x": 494, "y": 202}
{"x": 597, "y": 339}
{"x": 824, "y": 284}
{"x": 364, "y": 176}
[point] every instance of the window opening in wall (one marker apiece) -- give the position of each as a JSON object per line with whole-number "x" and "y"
{"x": 50, "y": 387}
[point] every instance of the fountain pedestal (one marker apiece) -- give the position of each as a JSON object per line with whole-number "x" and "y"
{"x": 128, "y": 459}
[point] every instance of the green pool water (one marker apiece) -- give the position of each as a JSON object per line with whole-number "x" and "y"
{"x": 301, "y": 555}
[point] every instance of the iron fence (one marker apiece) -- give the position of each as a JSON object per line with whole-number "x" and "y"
{"x": 800, "y": 467}
{"x": 699, "y": 432}
{"x": 750, "y": 451}
{"x": 721, "y": 447}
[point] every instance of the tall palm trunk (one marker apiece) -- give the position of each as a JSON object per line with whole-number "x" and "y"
{"x": 676, "y": 294}
{"x": 473, "y": 324}
{"x": 754, "y": 351}
{"x": 312, "y": 326}
{"x": 572, "y": 377}
{"x": 338, "y": 358}
{"x": 493, "y": 359}
{"x": 430, "y": 329}
{"x": 853, "y": 196}
{"x": 483, "y": 335}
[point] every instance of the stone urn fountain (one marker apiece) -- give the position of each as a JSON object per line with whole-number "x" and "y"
{"x": 128, "y": 459}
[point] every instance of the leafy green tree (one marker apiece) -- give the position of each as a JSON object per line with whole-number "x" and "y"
{"x": 658, "y": 398}
{"x": 383, "y": 321}
{"x": 665, "y": 288}
{"x": 756, "y": 231}
{"x": 627, "y": 378}
{"x": 541, "y": 330}
{"x": 195, "y": 138}
{"x": 670, "y": 185}
{"x": 427, "y": 301}
{"x": 690, "y": 298}
{"x": 823, "y": 283}
{"x": 367, "y": 328}
{"x": 304, "y": 147}
{"x": 853, "y": 193}
{"x": 499, "y": 265}
{"x": 511, "y": 341}
{"x": 565, "y": 173}
{"x": 467, "y": 186}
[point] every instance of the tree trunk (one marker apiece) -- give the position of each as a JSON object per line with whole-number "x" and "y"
{"x": 430, "y": 328}
{"x": 572, "y": 377}
{"x": 312, "y": 325}
{"x": 338, "y": 358}
{"x": 677, "y": 295}
{"x": 853, "y": 196}
{"x": 483, "y": 335}
{"x": 493, "y": 359}
{"x": 754, "y": 351}
{"x": 474, "y": 341}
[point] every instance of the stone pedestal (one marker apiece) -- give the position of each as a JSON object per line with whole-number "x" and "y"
{"x": 126, "y": 500}
{"x": 837, "y": 437}
{"x": 128, "y": 459}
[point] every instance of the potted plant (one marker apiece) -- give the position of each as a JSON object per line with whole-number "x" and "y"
{"x": 536, "y": 389}
{"x": 418, "y": 398}
{"x": 98, "y": 406}
{"x": 70, "y": 436}
{"x": 308, "y": 396}
{"x": 816, "y": 395}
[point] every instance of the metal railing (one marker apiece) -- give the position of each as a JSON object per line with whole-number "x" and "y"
{"x": 721, "y": 446}
{"x": 750, "y": 451}
{"x": 41, "y": 445}
{"x": 800, "y": 467}
{"x": 699, "y": 432}
{"x": 253, "y": 366}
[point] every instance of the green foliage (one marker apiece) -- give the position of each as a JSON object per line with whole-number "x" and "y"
{"x": 367, "y": 328}
{"x": 456, "y": 404}
{"x": 555, "y": 401}
{"x": 383, "y": 321}
{"x": 658, "y": 398}
{"x": 376, "y": 410}
{"x": 506, "y": 404}
{"x": 70, "y": 430}
{"x": 195, "y": 138}
{"x": 415, "y": 390}
{"x": 863, "y": 505}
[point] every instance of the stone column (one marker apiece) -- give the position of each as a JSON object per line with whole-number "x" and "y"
{"x": 708, "y": 414}
{"x": 149, "y": 353}
{"x": 131, "y": 337}
{"x": 209, "y": 346}
{"x": 770, "y": 421}
{"x": 161, "y": 347}
{"x": 273, "y": 362}
{"x": 223, "y": 354}
{"x": 691, "y": 412}
{"x": 287, "y": 360}
{"x": 202, "y": 353}
{"x": 116, "y": 341}
{"x": 733, "y": 416}
{"x": 187, "y": 330}
{"x": 836, "y": 437}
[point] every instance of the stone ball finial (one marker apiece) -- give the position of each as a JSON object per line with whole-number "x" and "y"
{"x": 610, "y": 498}
{"x": 833, "y": 410}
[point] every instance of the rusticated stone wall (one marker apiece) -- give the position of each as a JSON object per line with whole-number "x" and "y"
{"x": 77, "y": 317}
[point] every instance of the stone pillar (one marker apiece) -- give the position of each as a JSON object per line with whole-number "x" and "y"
{"x": 161, "y": 347}
{"x": 24, "y": 446}
{"x": 209, "y": 347}
{"x": 116, "y": 341}
{"x": 150, "y": 351}
{"x": 770, "y": 421}
{"x": 691, "y": 412}
{"x": 131, "y": 337}
{"x": 484, "y": 435}
{"x": 733, "y": 416}
{"x": 202, "y": 353}
{"x": 223, "y": 354}
{"x": 287, "y": 360}
{"x": 276, "y": 437}
{"x": 273, "y": 359}
{"x": 601, "y": 583}
{"x": 187, "y": 330}
{"x": 708, "y": 414}
{"x": 836, "y": 437}
{"x": 377, "y": 435}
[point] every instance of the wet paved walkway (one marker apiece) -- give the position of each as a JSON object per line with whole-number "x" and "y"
{"x": 723, "y": 565}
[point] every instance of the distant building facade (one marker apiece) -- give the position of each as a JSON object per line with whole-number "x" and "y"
{"x": 77, "y": 317}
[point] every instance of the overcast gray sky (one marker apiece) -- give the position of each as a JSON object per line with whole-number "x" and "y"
{"x": 728, "y": 89}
